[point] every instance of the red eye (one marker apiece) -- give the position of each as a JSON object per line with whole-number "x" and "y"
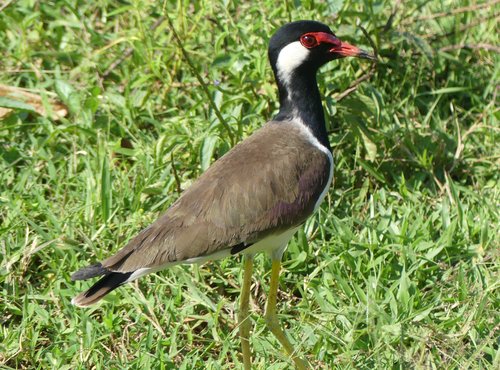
{"x": 308, "y": 41}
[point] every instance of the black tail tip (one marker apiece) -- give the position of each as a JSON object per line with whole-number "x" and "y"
{"x": 105, "y": 285}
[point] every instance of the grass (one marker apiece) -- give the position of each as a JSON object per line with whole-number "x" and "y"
{"x": 398, "y": 269}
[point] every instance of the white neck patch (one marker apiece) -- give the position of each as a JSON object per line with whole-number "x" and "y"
{"x": 312, "y": 139}
{"x": 289, "y": 58}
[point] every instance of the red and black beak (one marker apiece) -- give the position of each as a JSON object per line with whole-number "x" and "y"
{"x": 339, "y": 48}
{"x": 347, "y": 50}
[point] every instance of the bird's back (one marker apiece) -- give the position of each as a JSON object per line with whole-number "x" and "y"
{"x": 266, "y": 184}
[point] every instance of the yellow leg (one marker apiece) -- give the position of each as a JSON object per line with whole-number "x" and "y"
{"x": 272, "y": 318}
{"x": 243, "y": 318}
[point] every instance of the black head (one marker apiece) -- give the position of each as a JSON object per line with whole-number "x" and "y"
{"x": 307, "y": 45}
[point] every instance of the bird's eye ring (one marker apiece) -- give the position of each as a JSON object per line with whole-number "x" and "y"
{"x": 308, "y": 41}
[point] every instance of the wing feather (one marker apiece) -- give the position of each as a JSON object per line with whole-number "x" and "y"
{"x": 267, "y": 183}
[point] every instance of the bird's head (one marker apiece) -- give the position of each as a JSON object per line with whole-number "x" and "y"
{"x": 305, "y": 46}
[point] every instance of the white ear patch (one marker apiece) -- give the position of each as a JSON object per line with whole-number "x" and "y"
{"x": 289, "y": 58}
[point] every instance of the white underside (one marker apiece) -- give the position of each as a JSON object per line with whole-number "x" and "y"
{"x": 273, "y": 244}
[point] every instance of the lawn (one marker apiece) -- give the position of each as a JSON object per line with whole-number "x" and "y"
{"x": 398, "y": 269}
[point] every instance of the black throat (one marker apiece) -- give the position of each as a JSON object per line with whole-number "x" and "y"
{"x": 300, "y": 98}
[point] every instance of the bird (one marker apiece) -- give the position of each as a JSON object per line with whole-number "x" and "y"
{"x": 255, "y": 197}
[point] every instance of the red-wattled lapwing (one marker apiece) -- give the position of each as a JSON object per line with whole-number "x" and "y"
{"x": 256, "y": 196}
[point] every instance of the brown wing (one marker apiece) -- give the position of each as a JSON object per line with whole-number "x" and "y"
{"x": 266, "y": 183}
